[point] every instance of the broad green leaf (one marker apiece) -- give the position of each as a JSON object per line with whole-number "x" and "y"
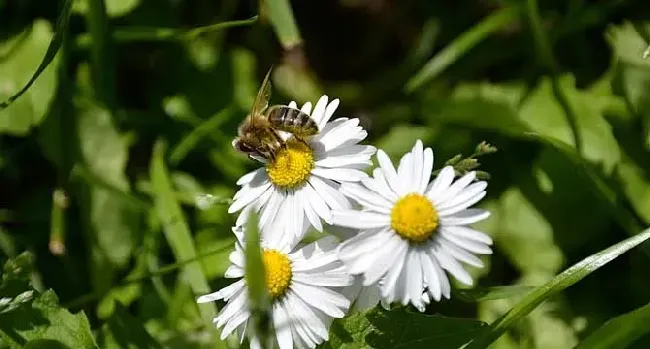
{"x": 281, "y": 16}
{"x": 20, "y": 58}
{"x": 619, "y": 332}
{"x": 114, "y": 8}
{"x": 461, "y": 45}
{"x": 105, "y": 153}
{"x": 400, "y": 328}
{"x": 566, "y": 279}
{"x": 503, "y": 108}
{"x": 628, "y": 44}
{"x": 542, "y": 113}
{"x": 177, "y": 232}
{"x": 45, "y": 319}
{"x": 123, "y": 331}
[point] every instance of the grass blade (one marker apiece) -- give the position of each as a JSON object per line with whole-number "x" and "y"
{"x": 52, "y": 49}
{"x": 567, "y": 278}
{"x": 177, "y": 231}
{"x": 480, "y": 294}
{"x": 254, "y": 275}
{"x": 192, "y": 139}
{"x": 281, "y": 17}
{"x": 462, "y": 45}
{"x": 619, "y": 332}
{"x": 138, "y": 34}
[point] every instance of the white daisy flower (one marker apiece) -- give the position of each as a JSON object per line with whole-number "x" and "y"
{"x": 304, "y": 285}
{"x": 411, "y": 230}
{"x": 301, "y": 185}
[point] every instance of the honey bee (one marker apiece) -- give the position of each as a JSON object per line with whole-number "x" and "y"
{"x": 258, "y": 133}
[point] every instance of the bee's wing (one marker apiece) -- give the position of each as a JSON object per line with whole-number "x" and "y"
{"x": 263, "y": 96}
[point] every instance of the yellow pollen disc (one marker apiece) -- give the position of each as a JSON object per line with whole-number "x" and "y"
{"x": 414, "y": 218}
{"x": 277, "y": 272}
{"x": 292, "y": 165}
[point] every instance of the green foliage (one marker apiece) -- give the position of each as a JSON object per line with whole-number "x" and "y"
{"x": 401, "y": 328}
{"x": 36, "y": 320}
{"x": 25, "y": 72}
{"x": 123, "y": 230}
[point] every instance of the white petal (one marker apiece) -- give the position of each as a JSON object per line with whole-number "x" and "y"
{"x": 388, "y": 254}
{"x": 328, "y": 190}
{"x": 389, "y": 173}
{"x": 310, "y": 211}
{"x": 414, "y": 284}
{"x": 306, "y": 108}
{"x": 450, "y": 264}
{"x": 235, "y": 305}
{"x": 367, "y": 198}
{"x": 340, "y": 279}
{"x": 389, "y": 283}
{"x": 468, "y": 233}
{"x": 322, "y": 298}
{"x": 271, "y": 209}
{"x": 319, "y": 110}
{"x": 441, "y": 183}
{"x": 318, "y": 203}
{"x": 282, "y": 327}
{"x": 329, "y": 111}
{"x": 343, "y": 132}
{"x": 468, "y": 216}
{"x": 360, "y": 251}
{"x": 418, "y": 163}
{"x": 234, "y": 322}
{"x": 459, "y": 253}
{"x": 293, "y": 105}
{"x": 234, "y": 271}
{"x": 312, "y": 322}
{"x": 300, "y": 334}
{"x": 360, "y": 219}
{"x": 462, "y": 206}
{"x": 427, "y": 167}
{"x": 249, "y": 195}
{"x": 455, "y": 188}
{"x": 431, "y": 277}
{"x": 339, "y": 174}
{"x": 379, "y": 185}
{"x": 405, "y": 172}
{"x": 224, "y": 293}
{"x": 470, "y": 245}
{"x": 258, "y": 175}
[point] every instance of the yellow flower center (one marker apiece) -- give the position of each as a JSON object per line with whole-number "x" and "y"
{"x": 414, "y": 218}
{"x": 292, "y": 165}
{"x": 277, "y": 272}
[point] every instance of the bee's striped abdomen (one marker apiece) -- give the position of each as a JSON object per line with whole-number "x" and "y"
{"x": 291, "y": 120}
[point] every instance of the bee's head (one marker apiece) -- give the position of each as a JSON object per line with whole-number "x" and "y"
{"x": 253, "y": 147}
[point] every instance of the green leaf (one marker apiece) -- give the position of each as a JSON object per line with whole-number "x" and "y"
{"x": 44, "y": 319}
{"x": 628, "y": 44}
{"x": 480, "y": 294}
{"x": 20, "y": 57}
{"x": 636, "y": 187}
{"x": 16, "y": 287}
{"x": 124, "y": 331}
{"x": 461, "y": 45}
{"x": 619, "y": 332}
{"x": 114, "y": 8}
{"x": 400, "y": 328}
{"x": 105, "y": 153}
{"x": 281, "y": 17}
{"x": 177, "y": 232}
{"x": 542, "y": 113}
{"x": 566, "y": 279}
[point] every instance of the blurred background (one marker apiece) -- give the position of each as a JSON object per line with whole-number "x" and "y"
{"x": 102, "y": 157}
